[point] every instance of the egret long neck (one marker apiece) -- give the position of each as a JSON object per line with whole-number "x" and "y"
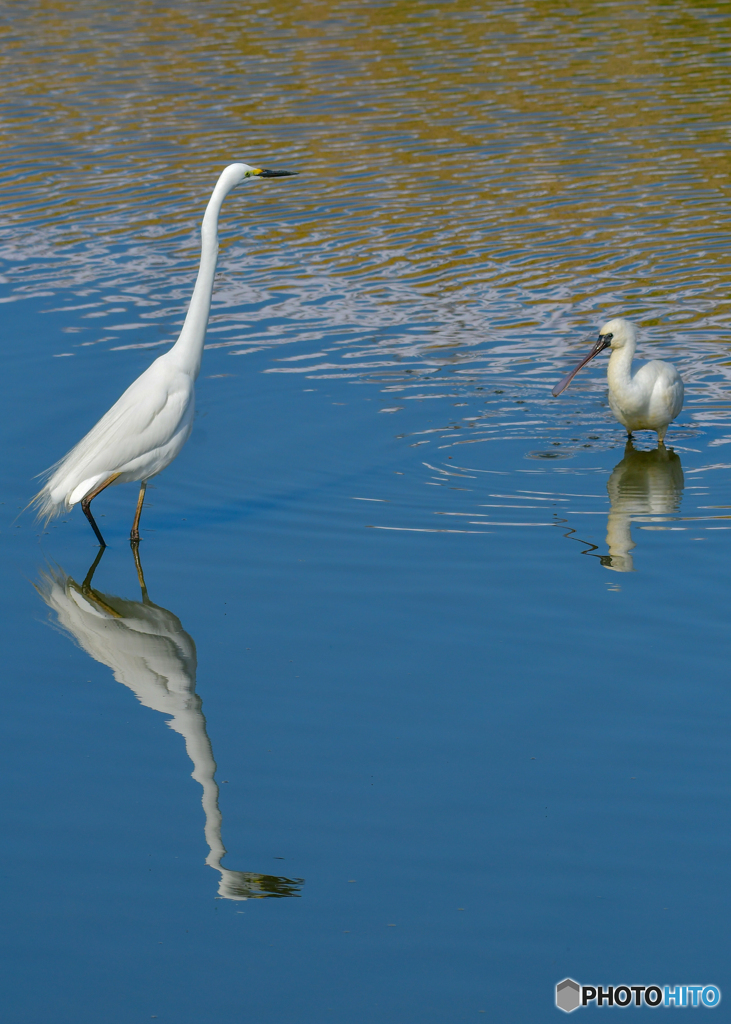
{"x": 188, "y": 349}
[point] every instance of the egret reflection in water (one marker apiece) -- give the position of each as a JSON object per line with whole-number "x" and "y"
{"x": 644, "y": 487}
{"x": 148, "y": 650}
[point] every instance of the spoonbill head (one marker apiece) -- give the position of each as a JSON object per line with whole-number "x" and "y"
{"x": 649, "y": 399}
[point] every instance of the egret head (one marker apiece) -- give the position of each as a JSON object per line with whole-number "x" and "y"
{"x": 617, "y": 333}
{"x": 234, "y": 174}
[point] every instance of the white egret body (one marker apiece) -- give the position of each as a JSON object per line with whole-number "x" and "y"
{"x": 649, "y": 399}
{"x": 146, "y": 428}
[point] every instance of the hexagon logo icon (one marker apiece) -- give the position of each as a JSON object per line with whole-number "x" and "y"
{"x": 568, "y": 995}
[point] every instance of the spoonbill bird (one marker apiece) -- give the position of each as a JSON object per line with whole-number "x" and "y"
{"x": 649, "y": 399}
{"x": 146, "y": 428}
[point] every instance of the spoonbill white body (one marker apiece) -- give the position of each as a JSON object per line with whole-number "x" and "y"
{"x": 649, "y": 399}
{"x": 147, "y": 427}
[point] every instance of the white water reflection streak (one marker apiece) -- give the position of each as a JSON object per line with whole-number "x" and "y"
{"x": 148, "y": 651}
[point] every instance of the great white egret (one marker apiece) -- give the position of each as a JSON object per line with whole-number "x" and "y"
{"x": 649, "y": 399}
{"x": 146, "y": 428}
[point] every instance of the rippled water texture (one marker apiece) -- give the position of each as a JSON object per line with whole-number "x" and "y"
{"x": 446, "y": 659}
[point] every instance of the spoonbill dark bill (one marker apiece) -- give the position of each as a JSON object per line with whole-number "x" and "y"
{"x": 649, "y": 399}
{"x": 146, "y": 428}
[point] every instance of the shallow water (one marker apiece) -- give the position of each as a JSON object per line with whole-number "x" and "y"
{"x": 444, "y": 656}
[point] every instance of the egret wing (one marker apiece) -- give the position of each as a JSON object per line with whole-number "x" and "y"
{"x": 143, "y": 419}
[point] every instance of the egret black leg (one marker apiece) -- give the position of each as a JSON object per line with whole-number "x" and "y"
{"x": 87, "y": 512}
{"x": 86, "y": 503}
{"x": 135, "y": 531}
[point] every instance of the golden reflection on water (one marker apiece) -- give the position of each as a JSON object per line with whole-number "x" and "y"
{"x": 480, "y": 183}
{"x": 148, "y": 651}
{"x": 486, "y": 133}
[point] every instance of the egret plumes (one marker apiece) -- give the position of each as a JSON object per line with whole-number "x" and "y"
{"x": 147, "y": 427}
{"x": 649, "y": 399}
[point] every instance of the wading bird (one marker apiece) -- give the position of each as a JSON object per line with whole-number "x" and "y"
{"x": 649, "y": 399}
{"x": 146, "y": 428}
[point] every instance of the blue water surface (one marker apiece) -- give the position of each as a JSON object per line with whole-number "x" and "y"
{"x": 447, "y": 661}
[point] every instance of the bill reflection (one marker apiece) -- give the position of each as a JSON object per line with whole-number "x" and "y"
{"x": 148, "y": 650}
{"x": 645, "y": 487}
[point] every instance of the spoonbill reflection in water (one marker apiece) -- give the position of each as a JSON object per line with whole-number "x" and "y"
{"x": 649, "y": 399}
{"x": 146, "y": 428}
{"x": 645, "y": 487}
{"x": 148, "y": 651}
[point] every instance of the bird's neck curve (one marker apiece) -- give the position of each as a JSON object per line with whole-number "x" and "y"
{"x": 188, "y": 349}
{"x": 619, "y": 370}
